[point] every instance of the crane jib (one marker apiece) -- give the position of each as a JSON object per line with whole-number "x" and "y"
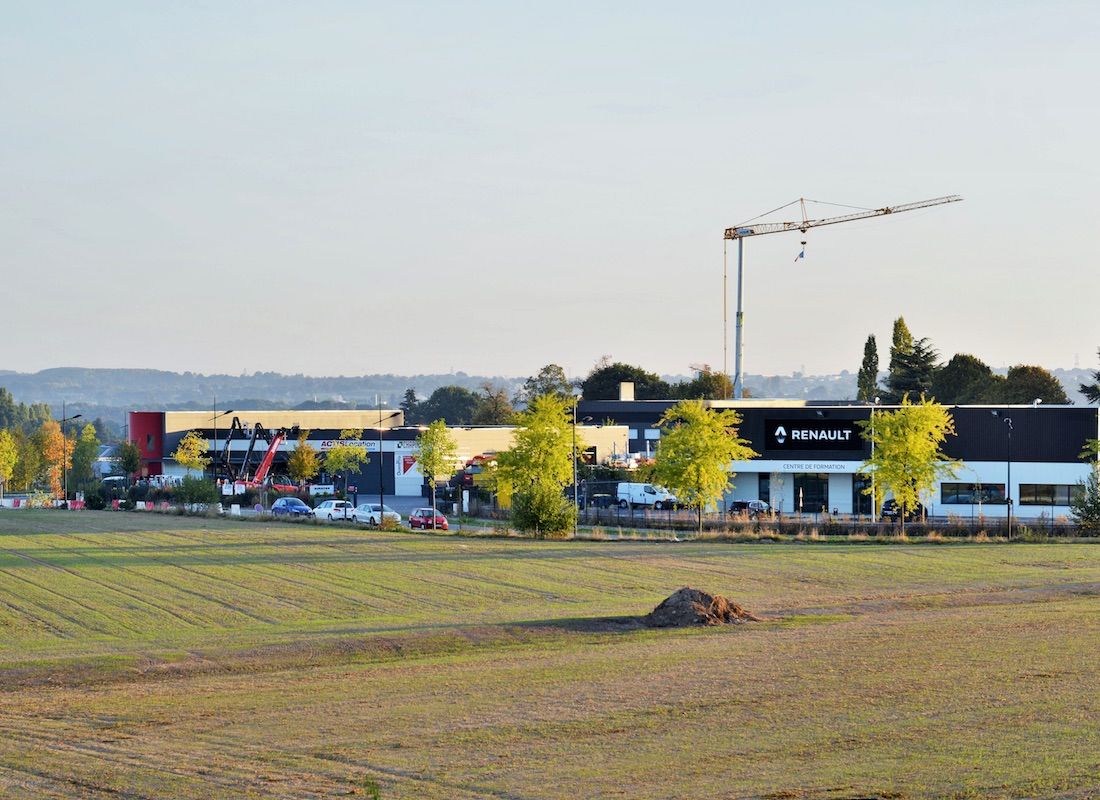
{"x": 741, "y": 231}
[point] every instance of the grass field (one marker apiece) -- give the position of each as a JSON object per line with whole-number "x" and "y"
{"x": 160, "y": 657}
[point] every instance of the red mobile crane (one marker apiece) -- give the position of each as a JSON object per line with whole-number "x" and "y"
{"x": 240, "y": 475}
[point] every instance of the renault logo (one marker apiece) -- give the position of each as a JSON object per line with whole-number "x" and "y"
{"x": 781, "y": 434}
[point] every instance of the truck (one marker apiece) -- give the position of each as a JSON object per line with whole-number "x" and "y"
{"x": 631, "y": 495}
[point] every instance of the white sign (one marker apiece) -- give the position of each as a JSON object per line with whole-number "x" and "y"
{"x": 771, "y": 465}
{"x": 370, "y": 445}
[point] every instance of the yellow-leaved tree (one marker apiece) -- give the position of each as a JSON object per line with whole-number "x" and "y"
{"x": 347, "y": 455}
{"x": 9, "y": 455}
{"x": 697, "y": 447}
{"x": 56, "y": 453}
{"x": 908, "y": 459}
{"x": 437, "y": 452}
{"x": 191, "y": 452}
{"x": 303, "y": 464}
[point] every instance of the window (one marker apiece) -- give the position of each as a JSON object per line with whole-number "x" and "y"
{"x": 1046, "y": 494}
{"x": 861, "y": 501}
{"x": 764, "y": 487}
{"x": 811, "y": 492}
{"x": 971, "y": 493}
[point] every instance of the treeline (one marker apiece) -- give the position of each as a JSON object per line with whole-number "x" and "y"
{"x": 37, "y": 453}
{"x": 493, "y": 405}
{"x": 915, "y": 370}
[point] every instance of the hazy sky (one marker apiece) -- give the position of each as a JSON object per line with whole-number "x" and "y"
{"x": 350, "y": 188}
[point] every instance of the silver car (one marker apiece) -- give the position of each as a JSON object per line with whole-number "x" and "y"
{"x": 372, "y": 514}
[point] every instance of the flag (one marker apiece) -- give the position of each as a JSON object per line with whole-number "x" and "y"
{"x": 800, "y": 255}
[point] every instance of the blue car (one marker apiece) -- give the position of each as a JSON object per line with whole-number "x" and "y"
{"x": 290, "y": 507}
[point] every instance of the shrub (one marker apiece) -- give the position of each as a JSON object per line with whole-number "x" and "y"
{"x": 94, "y": 501}
{"x": 193, "y": 491}
{"x": 544, "y": 510}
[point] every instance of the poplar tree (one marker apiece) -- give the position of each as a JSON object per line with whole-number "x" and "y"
{"x": 867, "y": 381}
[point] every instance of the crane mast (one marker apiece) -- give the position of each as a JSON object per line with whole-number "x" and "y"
{"x": 741, "y": 232}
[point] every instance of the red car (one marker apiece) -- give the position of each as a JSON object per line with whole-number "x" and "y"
{"x": 422, "y": 518}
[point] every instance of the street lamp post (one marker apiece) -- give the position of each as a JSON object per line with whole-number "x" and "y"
{"x": 1008, "y": 466}
{"x": 874, "y": 497}
{"x": 65, "y": 452}
{"x": 576, "y": 504}
{"x": 214, "y": 419}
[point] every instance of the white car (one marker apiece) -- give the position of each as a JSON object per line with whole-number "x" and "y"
{"x": 334, "y": 509}
{"x": 373, "y": 514}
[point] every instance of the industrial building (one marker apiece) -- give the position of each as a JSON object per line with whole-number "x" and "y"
{"x": 230, "y": 435}
{"x": 811, "y": 454}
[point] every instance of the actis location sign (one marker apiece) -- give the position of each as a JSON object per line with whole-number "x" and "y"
{"x": 816, "y": 434}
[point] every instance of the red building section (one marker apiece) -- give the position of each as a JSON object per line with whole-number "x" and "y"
{"x": 147, "y": 432}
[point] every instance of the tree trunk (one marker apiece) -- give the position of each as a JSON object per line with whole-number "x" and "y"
{"x": 432, "y": 492}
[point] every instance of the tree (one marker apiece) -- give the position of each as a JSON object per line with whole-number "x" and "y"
{"x": 908, "y": 459}
{"x": 191, "y": 452}
{"x": 696, "y": 449}
{"x": 9, "y": 455}
{"x": 56, "y": 453}
{"x": 494, "y": 407}
{"x": 437, "y": 453}
{"x": 411, "y": 406}
{"x": 603, "y": 382}
{"x": 912, "y": 365}
{"x": 1025, "y": 384}
{"x": 346, "y": 455}
{"x": 28, "y": 463}
{"x": 549, "y": 380}
{"x": 450, "y": 402}
{"x": 84, "y": 456}
{"x": 303, "y": 464}
{"x": 539, "y": 465}
{"x": 193, "y": 491}
{"x": 966, "y": 379}
{"x": 706, "y": 385}
{"x": 1085, "y": 503}
{"x": 867, "y": 380}
{"x": 1091, "y": 391}
{"x": 129, "y": 458}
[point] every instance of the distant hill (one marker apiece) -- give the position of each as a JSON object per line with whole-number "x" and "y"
{"x": 110, "y": 393}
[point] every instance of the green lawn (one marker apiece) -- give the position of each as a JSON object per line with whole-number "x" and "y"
{"x": 148, "y": 657}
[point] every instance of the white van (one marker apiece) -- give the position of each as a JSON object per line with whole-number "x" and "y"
{"x": 645, "y": 494}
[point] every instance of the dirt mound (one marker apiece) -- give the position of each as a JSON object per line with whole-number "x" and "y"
{"x": 687, "y": 606}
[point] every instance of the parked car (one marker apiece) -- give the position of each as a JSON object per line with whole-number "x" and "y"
{"x": 373, "y": 514}
{"x": 645, "y": 494}
{"x": 422, "y": 518}
{"x": 597, "y": 501}
{"x": 290, "y": 507}
{"x": 750, "y": 508}
{"x": 334, "y": 509}
{"x": 890, "y": 511}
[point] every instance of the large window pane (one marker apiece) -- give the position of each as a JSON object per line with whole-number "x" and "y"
{"x": 971, "y": 493}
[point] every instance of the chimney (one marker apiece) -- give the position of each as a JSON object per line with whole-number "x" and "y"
{"x": 626, "y": 390}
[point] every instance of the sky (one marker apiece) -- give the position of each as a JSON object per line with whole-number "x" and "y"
{"x": 416, "y": 187}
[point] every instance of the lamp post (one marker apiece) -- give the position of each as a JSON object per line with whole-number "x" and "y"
{"x": 874, "y": 497}
{"x": 1008, "y": 466}
{"x": 576, "y": 505}
{"x": 214, "y": 419}
{"x": 65, "y": 452}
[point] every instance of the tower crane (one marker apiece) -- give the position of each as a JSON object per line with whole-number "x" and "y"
{"x": 752, "y": 228}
